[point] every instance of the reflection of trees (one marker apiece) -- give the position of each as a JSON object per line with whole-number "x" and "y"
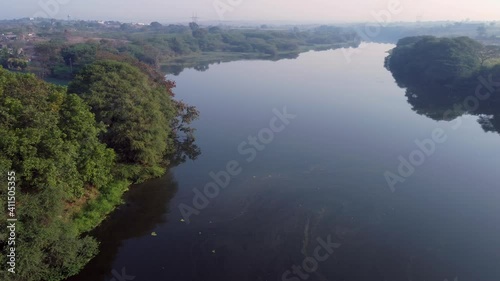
{"x": 447, "y": 102}
{"x": 203, "y": 64}
{"x": 184, "y": 150}
{"x": 146, "y": 204}
{"x": 146, "y": 207}
{"x": 202, "y": 67}
{"x": 441, "y": 237}
{"x": 183, "y": 134}
{"x": 490, "y": 123}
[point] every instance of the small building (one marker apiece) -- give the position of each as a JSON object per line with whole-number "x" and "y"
{"x": 10, "y": 37}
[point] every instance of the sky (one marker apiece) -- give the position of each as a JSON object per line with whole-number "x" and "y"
{"x": 165, "y": 11}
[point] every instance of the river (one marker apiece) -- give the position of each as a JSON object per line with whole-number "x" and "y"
{"x": 306, "y": 155}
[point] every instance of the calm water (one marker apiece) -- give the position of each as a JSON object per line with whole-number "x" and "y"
{"x": 320, "y": 179}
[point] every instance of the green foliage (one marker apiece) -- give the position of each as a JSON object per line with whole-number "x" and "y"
{"x": 67, "y": 179}
{"x": 49, "y": 59}
{"x": 178, "y": 46}
{"x": 47, "y": 247}
{"x": 435, "y": 59}
{"x": 78, "y": 55}
{"x": 4, "y": 57}
{"x": 156, "y": 25}
{"x": 138, "y": 173}
{"x": 11, "y": 59}
{"x": 50, "y": 139}
{"x": 35, "y": 125}
{"x": 136, "y": 111}
{"x": 156, "y": 44}
{"x": 76, "y": 154}
{"x": 473, "y": 90}
{"x": 78, "y": 125}
{"x": 95, "y": 212}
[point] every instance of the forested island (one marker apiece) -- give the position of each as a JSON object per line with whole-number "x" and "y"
{"x": 448, "y": 77}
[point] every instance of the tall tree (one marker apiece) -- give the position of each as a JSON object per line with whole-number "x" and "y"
{"x": 136, "y": 111}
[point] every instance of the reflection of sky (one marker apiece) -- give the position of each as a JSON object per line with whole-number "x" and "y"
{"x": 327, "y": 166}
{"x": 349, "y": 115}
{"x": 296, "y": 10}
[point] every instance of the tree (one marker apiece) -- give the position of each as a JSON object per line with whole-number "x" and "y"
{"x": 156, "y": 25}
{"x": 215, "y": 29}
{"x": 194, "y": 26}
{"x": 17, "y": 64}
{"x": 82, "y": 54}
{"x": 135, "y": 110}
{"x": 435, "y": 59}
{"x": 50, "y": 139}
{"x": 481, "y": 31}
{"x": 487, "y": 53}
{"x": 48, "y": 55}
{"x": 4, "y": 57}
{"x": 178, "y": 46}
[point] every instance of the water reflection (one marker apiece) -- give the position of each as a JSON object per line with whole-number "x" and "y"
{"x": 324, "y": 176}
{"x": 456, "y": 226}
{"x": 146, "y": 206}
{"x": 478, "y": 96}
{"x": 203, "y": 64}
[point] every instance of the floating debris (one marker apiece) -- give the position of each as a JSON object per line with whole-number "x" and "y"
{"x": 213, "y": 251}
{"x": 182, "y": 220}
{"x": 153, "y": 233}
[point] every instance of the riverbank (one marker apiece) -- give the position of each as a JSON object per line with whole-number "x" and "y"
{"x": 202, "y": 60}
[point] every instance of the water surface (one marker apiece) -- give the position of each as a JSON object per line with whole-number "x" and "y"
{"x": 322, "y": 177}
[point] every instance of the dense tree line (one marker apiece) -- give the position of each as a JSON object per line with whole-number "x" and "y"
{"x": 434, "y": 59}
{"x": 157, "y": 44}
{"x": 76, "y": 150}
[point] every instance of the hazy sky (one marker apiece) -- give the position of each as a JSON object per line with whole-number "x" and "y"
{"x": 289, "y": 10}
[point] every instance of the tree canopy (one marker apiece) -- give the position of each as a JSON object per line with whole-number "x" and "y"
{"x": 76, "y": 150}
{"x": 50, "y": 139}
{"x": 435, "y": 59}
{"x": 135, "y": 111}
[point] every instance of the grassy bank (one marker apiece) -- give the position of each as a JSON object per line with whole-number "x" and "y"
{"x": 96, "y": 210}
